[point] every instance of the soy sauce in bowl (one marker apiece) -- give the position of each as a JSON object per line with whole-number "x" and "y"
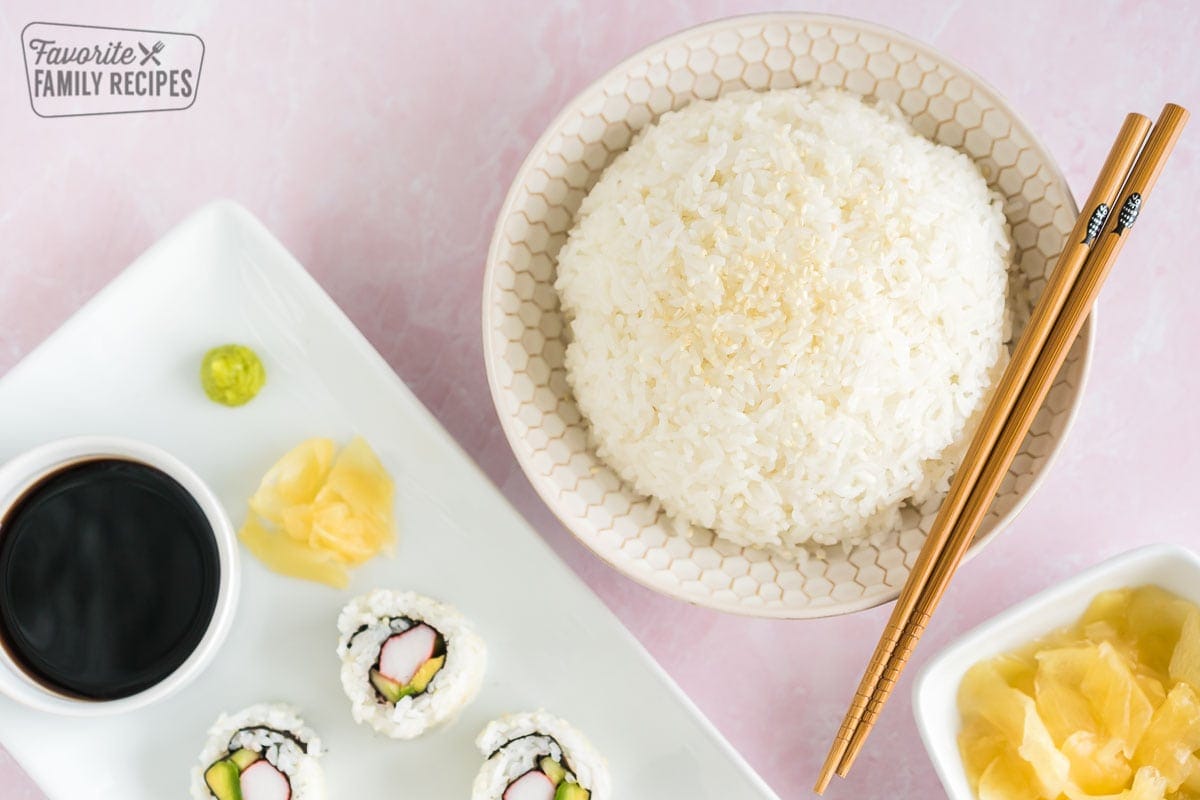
{"x": 109, "y": 577}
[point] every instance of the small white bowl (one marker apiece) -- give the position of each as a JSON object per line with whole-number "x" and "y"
{"x": 935, "y": 693}
{"x": 25, "y": 470}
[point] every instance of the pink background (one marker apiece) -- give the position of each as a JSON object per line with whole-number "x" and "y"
{"x": 377, "y": 140}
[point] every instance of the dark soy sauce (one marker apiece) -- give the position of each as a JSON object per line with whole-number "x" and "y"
{"x": 108, "y": 578}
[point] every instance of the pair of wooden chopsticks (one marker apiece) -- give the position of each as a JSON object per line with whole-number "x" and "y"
{"x": 1128, "y": 176}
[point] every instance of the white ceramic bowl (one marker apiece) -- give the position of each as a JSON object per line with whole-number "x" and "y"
{"x": 935, "y": 692}
{"x": 523, "y": 329}
{"x": 23, "y": 471}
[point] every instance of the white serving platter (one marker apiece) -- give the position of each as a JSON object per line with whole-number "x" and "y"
{"x": 127, "y": 364}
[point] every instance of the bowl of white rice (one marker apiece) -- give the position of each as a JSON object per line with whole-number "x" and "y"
{"x": 747, "y": 299}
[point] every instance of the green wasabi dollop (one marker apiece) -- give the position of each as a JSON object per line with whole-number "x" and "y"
{"x": 232, "y": 374}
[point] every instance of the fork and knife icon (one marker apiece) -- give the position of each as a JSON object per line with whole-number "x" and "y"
{"x": 150, "y": 54}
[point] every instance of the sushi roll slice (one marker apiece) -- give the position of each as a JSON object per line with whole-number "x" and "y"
{"x": 538, "y": 756}
{"x": 409, "y": 663}
{"x": 264, "y": 752}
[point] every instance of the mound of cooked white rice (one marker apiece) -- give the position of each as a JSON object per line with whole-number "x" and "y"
{"x": 787, "y": 308}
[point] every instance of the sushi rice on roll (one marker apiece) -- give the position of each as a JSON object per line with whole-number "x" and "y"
{"x": 537, "y": 756}
{"x": 409, "y": 663}
{"x": 264, "y": 752}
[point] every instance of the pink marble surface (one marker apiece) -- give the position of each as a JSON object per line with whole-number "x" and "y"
{"x": 377, "y": 140}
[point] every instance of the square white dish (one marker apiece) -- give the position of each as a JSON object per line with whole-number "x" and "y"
{"x": 935, "y": 691}
{"x": 126, "y": 364}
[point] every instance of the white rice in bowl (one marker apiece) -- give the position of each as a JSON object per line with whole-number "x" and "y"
{"x": 787, "y": 310}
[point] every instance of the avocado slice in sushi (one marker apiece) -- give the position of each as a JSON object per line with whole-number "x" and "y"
{"x": 424, "y": 676}
{"x": 571, "y": 791}
{"x": 393, "y": 691}
{"x": 554, "y": 771}
{"x": 222, "y": 780}
{"x": 244, "y": 758}
{"x": 387, "y": 688}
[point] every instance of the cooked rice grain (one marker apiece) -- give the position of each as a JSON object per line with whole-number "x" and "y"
{"x": 787, "y": 310}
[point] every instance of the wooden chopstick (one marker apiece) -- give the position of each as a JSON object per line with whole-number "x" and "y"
{"x": 1116, "y": 166}
{"x": 1074, "y": 313}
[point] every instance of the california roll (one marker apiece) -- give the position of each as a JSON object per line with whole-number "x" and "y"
{"x": 537, "y": 756}
{"x": 409, "y": 663}
{"x": 264, "y": 752}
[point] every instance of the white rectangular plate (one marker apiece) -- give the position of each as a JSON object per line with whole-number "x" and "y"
{"x": 127, "y": 364}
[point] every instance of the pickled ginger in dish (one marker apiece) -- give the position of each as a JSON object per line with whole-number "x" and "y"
{"x": 1108, "y": 707}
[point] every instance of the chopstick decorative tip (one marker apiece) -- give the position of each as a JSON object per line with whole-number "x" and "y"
{"x": 1096, "y": 223}
{"x": 1129, "y": 213}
